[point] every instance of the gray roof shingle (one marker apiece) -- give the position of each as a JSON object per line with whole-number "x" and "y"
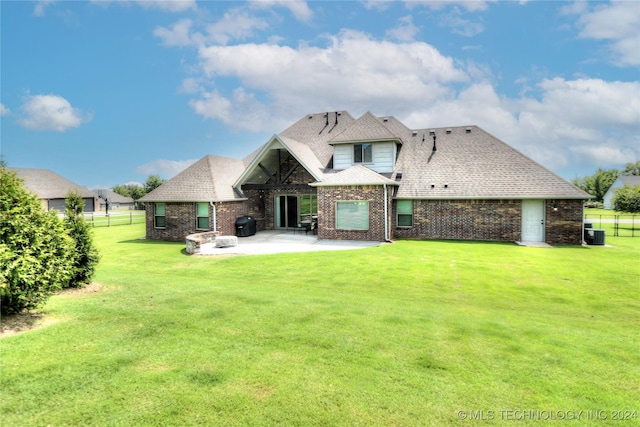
{"x": 209, "y": 179}
{"x": 355, "y": 175}
{"x": 48, "y": 185}
{"x": 469, "y": 163}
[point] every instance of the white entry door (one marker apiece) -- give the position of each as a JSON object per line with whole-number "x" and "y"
{"x": 533, "y": 220}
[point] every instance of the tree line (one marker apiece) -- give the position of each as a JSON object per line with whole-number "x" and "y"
{"x": 625, "y": 199}
{"x": 136, "y": 191}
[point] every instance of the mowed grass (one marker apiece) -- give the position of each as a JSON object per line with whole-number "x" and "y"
{"x": 410, "y": 333}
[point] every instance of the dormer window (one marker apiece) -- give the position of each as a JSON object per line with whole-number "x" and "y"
{"x": 363, "y": 153}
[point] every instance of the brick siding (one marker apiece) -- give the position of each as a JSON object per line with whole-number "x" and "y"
{"x": 463, "y": 220}
{"x": 499, "y": 220}
{"x": 181, "y": 219}
{"x": 327, "y": 197}
{"x": 564, "y": 222}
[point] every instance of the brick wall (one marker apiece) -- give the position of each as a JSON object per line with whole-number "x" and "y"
{"x": 499, "y": 220}
{"x": 463, "y": 220}
{"x": 228, "y": 212}
{"x": 180, "y": 222}
{"x": 181, "y": 219}
{"x": 564, "y": 222}
{"x": 327, "y": 197}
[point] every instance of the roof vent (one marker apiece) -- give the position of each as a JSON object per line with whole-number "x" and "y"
{"x": 446, "y": 186}
{"x": 448, "y": 131}
{"x": 385, "y": 119}
{"x": 468, "y": 130}
{"x": 433, "y": 186}
{"x": 398, "y": 176}
{"x": 310, "y": 116}
{"x": 414, "y": 132}
{"x": 431, "y": 132}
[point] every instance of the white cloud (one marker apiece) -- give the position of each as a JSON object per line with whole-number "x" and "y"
{"x": 405, "y": 31}
{"x": 174, "y": 6}
{"x": 459, "y": 25}
{"x": 470, "y": 5}
{"x": 352, "y": 70}
{"x": 177, "y": 35}
{"x": 40, "y": 7}
{"x": 4, "y": 110}
{"x": 617, "y": 22}
{"x": 235, "y": 24}
{"x": 300, "y": 9}
{"x": 165, "y": 168}
{"x": 265, "y": 87}
{"x": 50, "y": 112}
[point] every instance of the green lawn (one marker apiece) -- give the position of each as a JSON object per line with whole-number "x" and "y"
{"x": 409, "y": 333}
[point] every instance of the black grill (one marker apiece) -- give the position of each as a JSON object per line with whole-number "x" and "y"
{"x": 245, "y": 226}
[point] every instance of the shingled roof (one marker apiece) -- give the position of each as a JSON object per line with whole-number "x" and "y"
{"x": 48, "y": 185}
{"x": 469, "y": 163}
{"x": 355, "y": 175}
{"x": 209, "y": 179}
{"x": 367, "y": 128}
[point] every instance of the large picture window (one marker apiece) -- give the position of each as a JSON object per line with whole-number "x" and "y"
{"x": 363, "y": 153}
{"x": 202, "y": 214}
{"x": 405, "y": 213}
{"x": 352, "y": 215}
{"x": 159, "y": 215}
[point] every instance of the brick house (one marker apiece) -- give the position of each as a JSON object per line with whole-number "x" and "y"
{"x": 52, "y": 189}
{"x": 372, "y": 178}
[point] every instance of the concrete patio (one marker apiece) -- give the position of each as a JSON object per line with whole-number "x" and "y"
{"x": 279, "y": 241}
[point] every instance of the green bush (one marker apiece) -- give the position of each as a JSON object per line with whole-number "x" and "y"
{"x": 86, "y": 256}
{"x": 36, "y": 251}
{"x": 627, "y": 199}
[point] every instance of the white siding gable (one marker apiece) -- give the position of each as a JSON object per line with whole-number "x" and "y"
{"x": 384, "y": 156}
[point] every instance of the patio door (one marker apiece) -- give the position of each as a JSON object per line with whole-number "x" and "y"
{"x": 286, "y": 211}
{"x": 533, "y": 220}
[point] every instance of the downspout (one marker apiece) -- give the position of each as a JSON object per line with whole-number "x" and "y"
{"x": 386, "y": 216}
{"x": 215, "y": 225}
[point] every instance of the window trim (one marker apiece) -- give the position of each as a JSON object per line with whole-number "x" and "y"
{"x": 156, "y": 216}
{"x": 362, "y": 148}
{"x": 398, "y": 213}
{"x": 198, "y": 217}
{"x": 340, "y": 224}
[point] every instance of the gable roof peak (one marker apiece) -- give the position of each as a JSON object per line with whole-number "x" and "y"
{"x": 366, "y": 128}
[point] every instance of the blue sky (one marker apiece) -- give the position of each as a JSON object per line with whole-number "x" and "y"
{"x": 110, "y": 92}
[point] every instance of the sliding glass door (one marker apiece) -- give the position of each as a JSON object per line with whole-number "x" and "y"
{"x": 291, "y": 210}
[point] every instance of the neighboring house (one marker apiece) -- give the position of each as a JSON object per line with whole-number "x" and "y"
{"x": 52, "y": 189}
{"x": 372, "y": 178}
{"x": 621, "y": 181}
{"x": 116, "y": 201}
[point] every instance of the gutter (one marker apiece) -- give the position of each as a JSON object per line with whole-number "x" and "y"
{"x": 386, "y": 215}
{"x": 215, "y": 222}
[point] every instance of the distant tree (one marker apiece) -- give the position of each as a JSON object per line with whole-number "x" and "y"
{"x": 85, "y": 256}
{"x": 153, "y": 182}
{"x": 3, "y": 162}
{"x": 598, "y": 183}
{"x": 36, "y": 252}
{"x": 627, "y": 199}
{"x": 129, "y": 190}
{"x": 631, "y": 169}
